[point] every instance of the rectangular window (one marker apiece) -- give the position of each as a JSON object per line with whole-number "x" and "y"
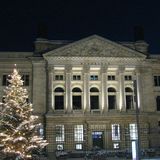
{"x": 25, "y": 79}
{"x": 78, "y": 133}
{"x": 58, "y": 77}
{"x": 158, "y": 103}
{"x": 59, "y": 102}
{"x": 59, "y": 133}
{"x": 128, "y": 78}
{"x": 115, "y": 132}
{"x": 77, "y": 103}
{"x": 94, "y": 77}
{"x": 5, "y": 80}
{"x": 133, "y": 131}
{"x": 94, "y": 102}
{"x": 76, "y": 77}
{"x": 111, "y": 78}
{"x": 129, "y": 102}
{"x": 156, "y": 80}
{"x": 41, "y": 131}
{"x": 78, "y": 146}
{"x": 111, "y": 102}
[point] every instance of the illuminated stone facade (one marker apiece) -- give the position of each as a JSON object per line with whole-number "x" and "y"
{"x": 85, "y": 92}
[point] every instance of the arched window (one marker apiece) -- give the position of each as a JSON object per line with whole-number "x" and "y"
{"x": 111, "y": 98}
{"x": 59, "y": 98}
{"x": 94, "y": 98}
{"x": 76, "y": 98}
{"x": 129, "y": 98}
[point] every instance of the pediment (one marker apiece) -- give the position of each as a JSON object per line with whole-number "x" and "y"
{"x": 94, "y": 46}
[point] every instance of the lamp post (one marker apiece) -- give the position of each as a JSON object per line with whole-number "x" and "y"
{"x": 138, "y": 148}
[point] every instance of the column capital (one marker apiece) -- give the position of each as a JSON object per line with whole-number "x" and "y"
{"x": 68, "y": 68}
{"x": 104, "y": 68}
{"x": 137, "y": 70}
{"x": 86, "y": 68}
{"x": 50, "y": 68}
{"x": 121, "y": 69}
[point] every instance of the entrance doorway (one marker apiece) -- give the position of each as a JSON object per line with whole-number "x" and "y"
{"x": 97, "y": 139}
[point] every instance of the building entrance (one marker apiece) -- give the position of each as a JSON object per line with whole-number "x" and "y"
{"x": 97, "y": 139}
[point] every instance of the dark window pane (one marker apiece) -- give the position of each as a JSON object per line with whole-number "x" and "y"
{"x": 111, "y": 77}
{"x": 59, "y": 102}
{"x": 155, "y": 81}
{"x": 116, "y": 130}
{"x": 59, "y": 89}
{"x": 158, "y": 103}
{"x": 111, "y": 89}
{"x": 129, "y": 101}
{"x": 25, "y": 79}
{"x": 5, "y": 80}
{"x": 76, "y": 90}
{"x": 58, "y": 77}
{"x": 94, "y": 89}
{"x": 111, "y": 102}
{"x": 77, "y": 102}
{"x": 94, "y": 102}
{"x": 94, "y": 77}
{"x": 128, "y": 89}
{"x": 76, "y": 77}
{"x": 128, "y": 78}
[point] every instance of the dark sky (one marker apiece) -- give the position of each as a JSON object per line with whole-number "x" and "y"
{"x": 76, "y": 19}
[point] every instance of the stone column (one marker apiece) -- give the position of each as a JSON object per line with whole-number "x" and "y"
{"x": 104, "y": 89}
{"x": 50, "y": 89}
{"x": 68, "y": 89}
{"x": 139, "y": 88}
{"x": 122, "y": 106}
{"x": 86, "y": 89}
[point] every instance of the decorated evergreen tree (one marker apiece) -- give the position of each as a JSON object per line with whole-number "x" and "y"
{"x": 18, "y": 125}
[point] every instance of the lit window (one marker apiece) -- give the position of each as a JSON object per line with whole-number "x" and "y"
{"x": 111, "y": 77}
{"x": 58, "y": 77}
{"x": 78, "y": 133}
{"x": 78, "y": 146}
{"x": 76, "y": 77}
{"x": 116, "y": 145}
{"x": 115, "y": 132}
{"x": 59, "y": 133}
{"x": 128, "y": 78}
{"x": 158, "y": 103}
{"x": 25, "y": 79}
{"x": 59, "y": 147}
{"x": 156, "y": 80}
{"x": 94, "y": 77}
{"x": 133, "y": 131}
{"x": 41, "y": 131}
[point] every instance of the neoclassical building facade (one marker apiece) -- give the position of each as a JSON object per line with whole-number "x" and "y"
{"x": 89, "y": 92}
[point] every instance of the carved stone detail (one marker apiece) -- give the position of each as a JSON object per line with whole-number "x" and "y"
{"x": 94, "y": 46}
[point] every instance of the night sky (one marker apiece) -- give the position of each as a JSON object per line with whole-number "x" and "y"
{"x": 76, "y": 19}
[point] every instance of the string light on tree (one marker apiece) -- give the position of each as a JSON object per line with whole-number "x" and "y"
{"x": 18, "y": 135}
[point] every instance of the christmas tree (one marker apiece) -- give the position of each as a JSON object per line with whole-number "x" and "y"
{"x": 18, "y": 125}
